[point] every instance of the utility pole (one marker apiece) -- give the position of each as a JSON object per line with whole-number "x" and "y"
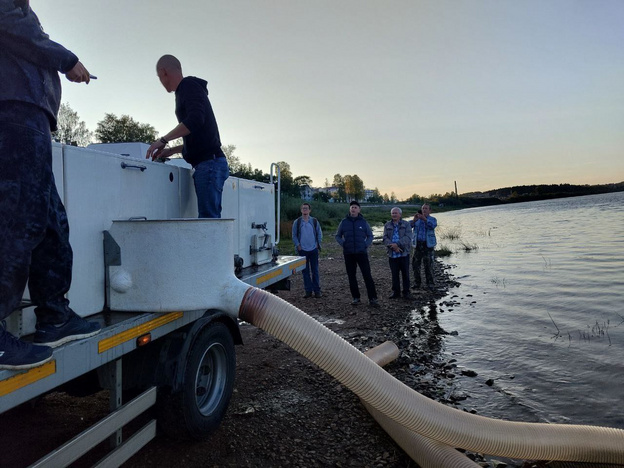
{"x": 456, "y": 192}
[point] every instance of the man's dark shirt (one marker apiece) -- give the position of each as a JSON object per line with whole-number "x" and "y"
{"x": 193, "y": 109}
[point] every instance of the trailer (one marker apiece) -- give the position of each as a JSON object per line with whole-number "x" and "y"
{"x": 158, "y": 350}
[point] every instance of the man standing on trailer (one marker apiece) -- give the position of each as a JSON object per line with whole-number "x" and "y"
{"x": 34, "y": 233}
{"x": 197, "y": 126}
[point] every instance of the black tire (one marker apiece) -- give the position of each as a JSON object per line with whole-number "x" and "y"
{"x": 208, "y": 381}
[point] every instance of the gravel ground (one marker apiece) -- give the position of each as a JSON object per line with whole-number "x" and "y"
{"x": 285, "y": 411}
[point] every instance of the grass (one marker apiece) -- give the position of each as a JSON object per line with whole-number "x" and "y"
{"x": 452, "y": 233}
{"x": 443, "y": 251}
{"x": 468, "y": 247}
{"x": 330, "y": 214}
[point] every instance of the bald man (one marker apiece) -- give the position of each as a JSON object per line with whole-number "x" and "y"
{"x": 197, "y": 126}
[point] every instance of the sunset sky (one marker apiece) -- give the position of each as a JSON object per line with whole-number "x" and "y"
{"x": 409, "y": 95}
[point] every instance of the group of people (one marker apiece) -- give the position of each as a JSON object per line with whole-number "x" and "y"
{"x": 400, "y": 237}
{"x": 34, "y": 231}
{"x": 355, "y": 236}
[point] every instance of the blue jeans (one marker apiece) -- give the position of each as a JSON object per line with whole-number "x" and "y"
{"x": 34, "y": 233}
{"x": 312, "y": 266}
{"x": 209, "y": 178}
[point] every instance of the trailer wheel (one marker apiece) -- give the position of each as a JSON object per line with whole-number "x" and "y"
{"x": 207, "y": 385}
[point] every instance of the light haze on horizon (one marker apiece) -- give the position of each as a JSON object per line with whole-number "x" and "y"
{"x": 409, "y": 95}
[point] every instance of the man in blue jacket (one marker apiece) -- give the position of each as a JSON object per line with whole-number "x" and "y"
{"x": 197, "y": 126}
{"x": 424, "y": 241}
{"x": 355, "y": 236}
{"x": 34, "y": 233}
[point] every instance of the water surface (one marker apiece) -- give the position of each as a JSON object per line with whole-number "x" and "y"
{"x": 540, "y": 308}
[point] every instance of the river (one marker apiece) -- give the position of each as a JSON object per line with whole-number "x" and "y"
{"x": 539, "y": 312}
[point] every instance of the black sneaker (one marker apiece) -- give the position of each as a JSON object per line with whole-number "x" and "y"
{"x": 318, "y": 294}
{"x": 307, "y": 295}
{"x": 374, "y": 303}
{"x": 16, "y": 354}
{"x": 76, "y": 328}
{"x": 355, "y": 301}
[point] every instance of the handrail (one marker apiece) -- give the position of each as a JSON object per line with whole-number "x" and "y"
{"x": 279, "y": 199}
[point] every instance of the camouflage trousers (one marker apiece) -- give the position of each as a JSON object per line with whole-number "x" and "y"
{"x": 34, "y": 232}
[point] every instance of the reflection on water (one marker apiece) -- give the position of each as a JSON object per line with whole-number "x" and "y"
{"x": 540, "y": 307}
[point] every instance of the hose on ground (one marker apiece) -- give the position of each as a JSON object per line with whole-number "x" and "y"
{"x": 533, "y": 441}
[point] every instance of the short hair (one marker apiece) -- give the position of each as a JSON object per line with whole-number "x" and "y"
{"x": 354, "y": 202}
{"x": 398, "y": 209}
{"x": 426, "y": 204}
{"x": 168, "y": 62}
{"x": 306, "y": 204}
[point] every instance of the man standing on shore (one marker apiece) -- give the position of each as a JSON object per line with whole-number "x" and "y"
{"x": 34, "y": 232}
{"x": 355, "y": 236}
{"x": 398, "y": 240}
{"x": 425, "y": 241}
{"x": 307, "y": 236}
{"x": 198, "y": 128}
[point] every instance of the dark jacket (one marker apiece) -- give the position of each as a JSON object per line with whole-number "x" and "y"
{"x": 193, "y": 109}
{"x": 354, "y": 235}
{"x": 29, "y": 61}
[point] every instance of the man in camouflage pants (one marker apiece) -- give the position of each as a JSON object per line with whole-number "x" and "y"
{"x": 34, "y": 233}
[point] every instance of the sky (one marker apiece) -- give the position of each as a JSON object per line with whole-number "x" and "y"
{"x": 412, "y": 96}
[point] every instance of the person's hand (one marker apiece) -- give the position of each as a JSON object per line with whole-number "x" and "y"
{"x": 157, "y": 150}
{"x": 78, "y": 74}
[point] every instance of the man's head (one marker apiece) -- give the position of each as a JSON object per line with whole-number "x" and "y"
{"x": 426, "y": 209}
{"x": 396, "y": 213}
{"x": 305, "y": 209}
{"x": 354, "y": 208}
{"x": 169, "y": 71}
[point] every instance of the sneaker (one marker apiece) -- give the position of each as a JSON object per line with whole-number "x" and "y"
{"x": 407, "y": 296}
{"x": 318, "y": 294}
{"x": 355, "y": 301}
{"x": 76, "y": 328}
{"x": 374, "y": 303}
{"x": 17, "y": 354}
{"x": 394, "y": 296}
{"x": 307, "y": 295}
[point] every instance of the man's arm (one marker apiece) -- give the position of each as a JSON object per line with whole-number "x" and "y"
{"x": 319, "y": 232}
{"x": 21, "y": 35}
{"x": 294, "y": 235}
{"x": 369, "y": 235}
{"x": 432, "y": 223}
{"x": 158, "y": 148}
{"x": 338, "y": 235}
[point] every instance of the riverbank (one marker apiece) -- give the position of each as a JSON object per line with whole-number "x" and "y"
{"x": 285, "y": 411}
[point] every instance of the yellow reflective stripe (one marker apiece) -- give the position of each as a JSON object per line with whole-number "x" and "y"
{"x": 119, "y": 338}
{"x": 268, "y": 276}
{"x": 26, "y": 378}
{"x": 298, "y": 264}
